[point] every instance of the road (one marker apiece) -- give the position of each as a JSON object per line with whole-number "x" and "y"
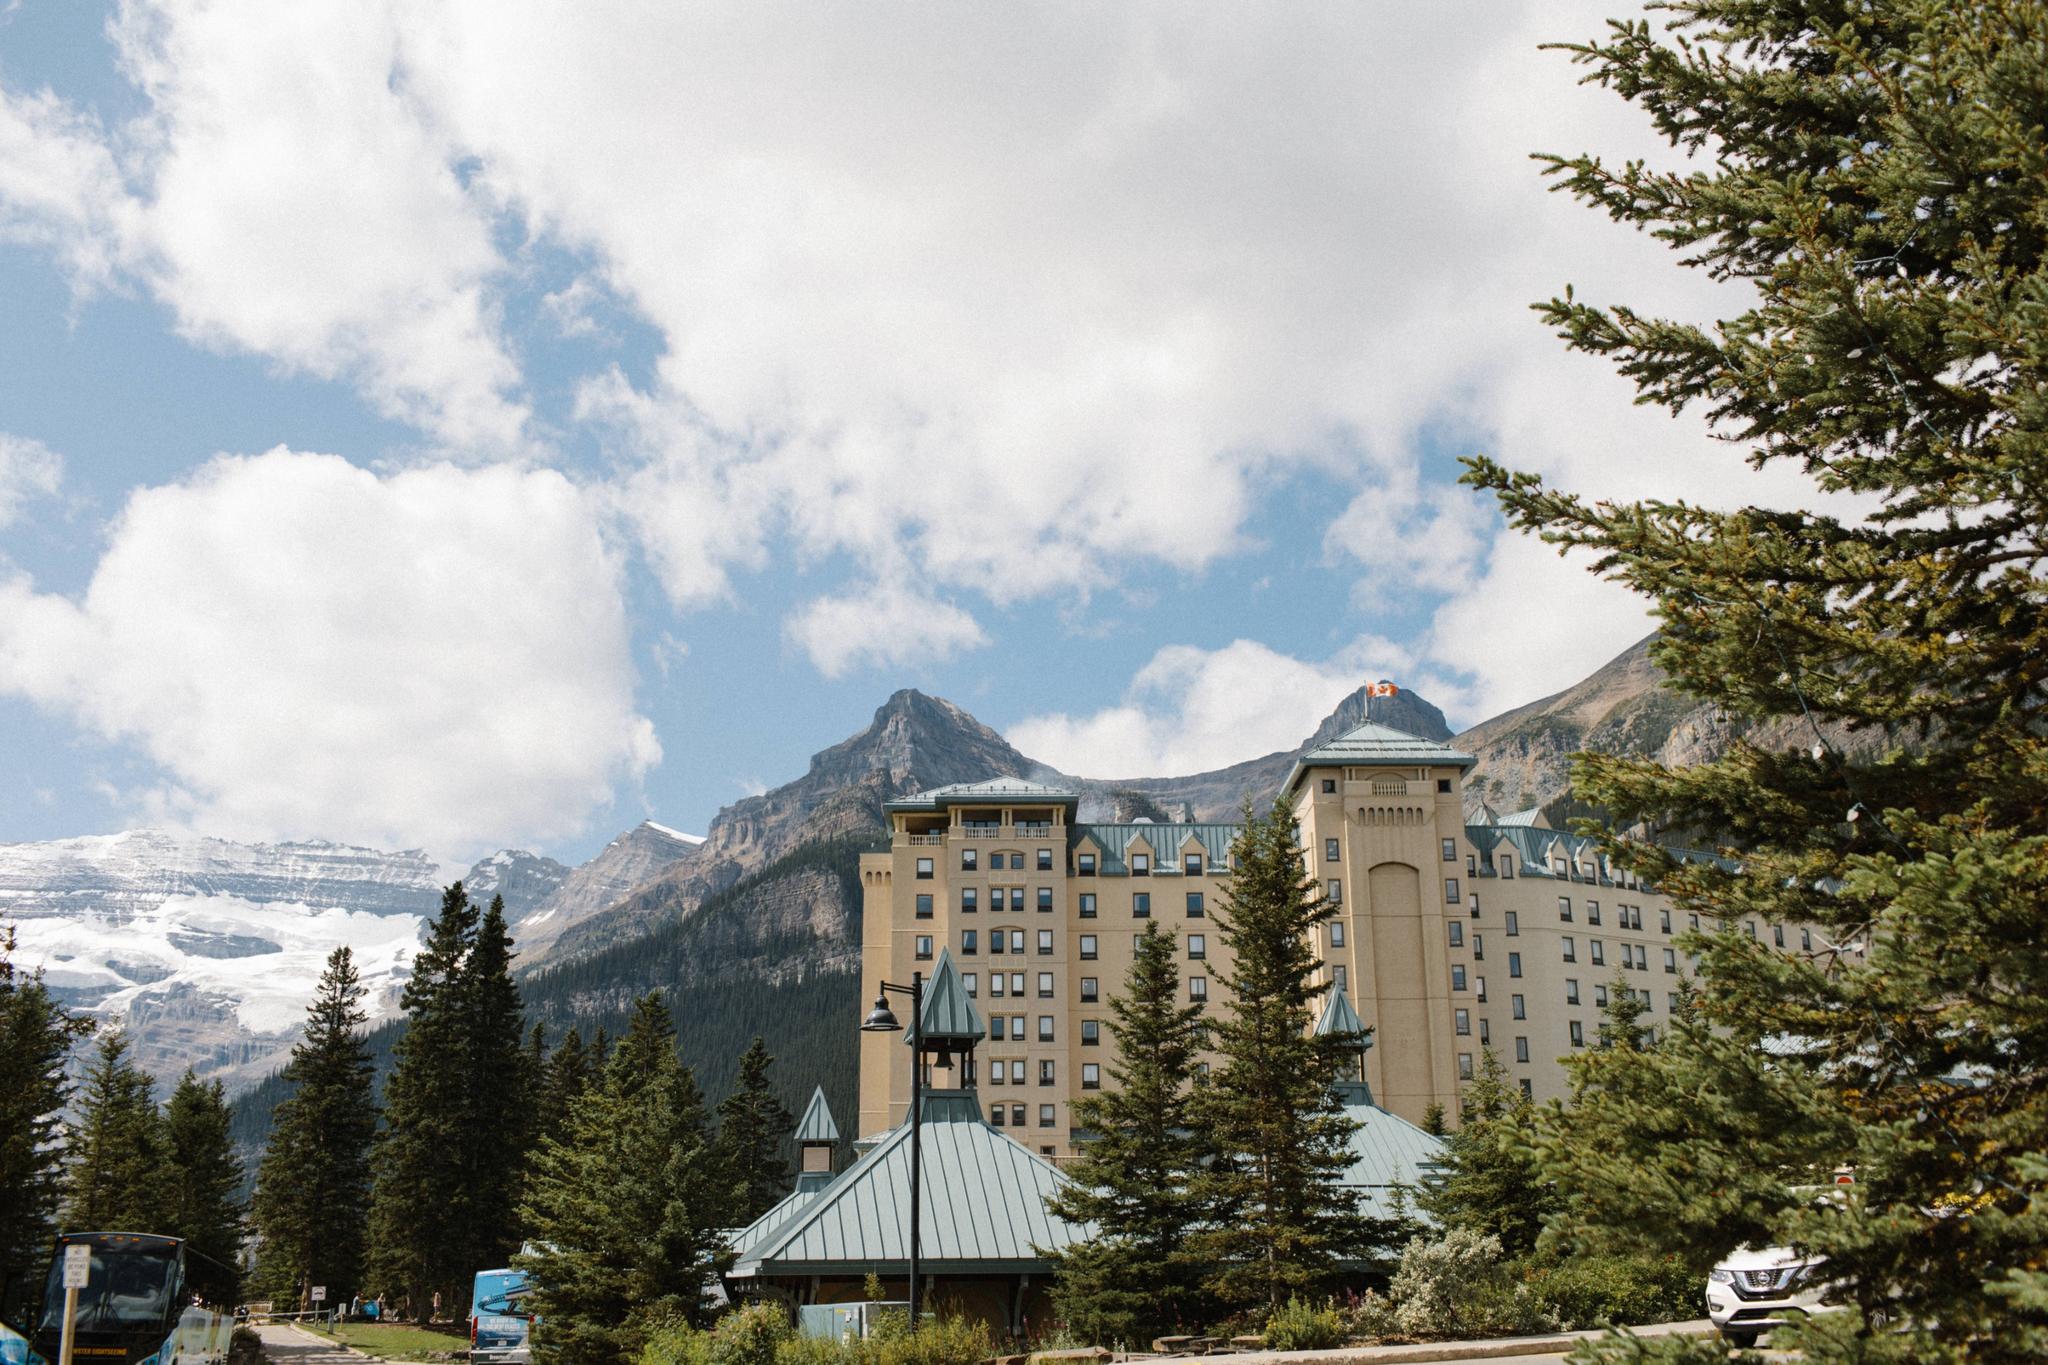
{"x": 285, "y": 1345}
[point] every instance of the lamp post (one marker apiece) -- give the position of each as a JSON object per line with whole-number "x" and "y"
{"x": 881, "y": 1019}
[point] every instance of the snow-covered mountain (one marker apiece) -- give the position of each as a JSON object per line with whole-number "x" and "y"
{"x": 207, "y": 950}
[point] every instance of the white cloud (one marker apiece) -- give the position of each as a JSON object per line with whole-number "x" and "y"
{"x": 885, "y": 625}
{"x": 28, "y": 469}
{"x": 1193, "y": 710}
{"x": 309, "y": 650}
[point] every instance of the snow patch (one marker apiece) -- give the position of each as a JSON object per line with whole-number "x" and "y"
{"x": 674, "y": 833}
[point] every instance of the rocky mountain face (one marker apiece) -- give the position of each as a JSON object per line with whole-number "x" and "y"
{"x": 640, "y": 855}
{"x": 523, "y": 880}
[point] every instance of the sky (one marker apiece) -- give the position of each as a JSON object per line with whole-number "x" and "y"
{"x": 466, "y": 425}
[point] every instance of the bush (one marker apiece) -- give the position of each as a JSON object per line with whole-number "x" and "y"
{"x": 1302, "y": 1327}
{"x": 674, "y": 1341}
{"x": 1614, "y": 1291}
{"x": 1458, "y": 1286}
{"x": 947, "y": 1341}
{"x": 749, "y": 1336}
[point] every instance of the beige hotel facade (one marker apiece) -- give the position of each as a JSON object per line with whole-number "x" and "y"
{"x": 1450, "y": 936}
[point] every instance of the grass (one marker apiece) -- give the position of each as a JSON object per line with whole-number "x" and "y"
{"x": 390, "y": 1341}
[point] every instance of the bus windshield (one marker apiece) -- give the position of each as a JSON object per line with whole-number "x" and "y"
{"x": 128, "y": 1288}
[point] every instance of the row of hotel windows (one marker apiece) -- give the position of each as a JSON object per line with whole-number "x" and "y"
{"x": 1003, "y": 985}
{"x": 1089, "y": 945}
{"x": 1192, "y": 864}
{"x": 998, "y": 896}
{"x": 1014, "y": 1071}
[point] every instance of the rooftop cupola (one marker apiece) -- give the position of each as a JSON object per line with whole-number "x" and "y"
{"x": 1341, "y": 1022}
{"x": 817, "y": 1137}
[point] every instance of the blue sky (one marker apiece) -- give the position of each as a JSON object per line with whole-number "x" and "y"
{"x": 459, "y": 425}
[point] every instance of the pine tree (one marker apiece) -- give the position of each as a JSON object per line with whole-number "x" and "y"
{"x": 626, "y": 1206}
{"x": 421, "y": 1212}
{"x": 1870, "y": 176}
{"x": 497, "y": 1103}
{"x": 114, "y": 1181}
{"x": 1280, "y": 1218}
{"x": 1490, "y": 1180}
{"x": 311, "y": 1209}
{"x": 753, "y": 1137}
{"x": 1138, "y": 1277}
{"x": 36, "y": 1034}
{"x": 571, "y": 1070}
{"x": 202, "y": 1177}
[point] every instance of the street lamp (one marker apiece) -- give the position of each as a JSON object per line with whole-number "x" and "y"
{"x": 881, "y": 1019}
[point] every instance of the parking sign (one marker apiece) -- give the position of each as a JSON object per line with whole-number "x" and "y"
{"x": 77, "y": 1265}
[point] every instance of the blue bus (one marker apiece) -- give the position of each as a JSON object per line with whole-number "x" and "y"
{"x": 149, "y": 1300}
{"x": 499, "y": 1322}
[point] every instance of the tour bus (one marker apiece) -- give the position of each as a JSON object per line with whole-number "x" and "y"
{"x": 148, "y": 1300}
{"x": 498, "y": 1319}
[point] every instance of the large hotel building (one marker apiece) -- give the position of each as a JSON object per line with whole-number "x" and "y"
{"x": 1450, "y": 936}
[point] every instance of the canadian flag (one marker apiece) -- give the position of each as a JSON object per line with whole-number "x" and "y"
{"x": 1382, "y": 688}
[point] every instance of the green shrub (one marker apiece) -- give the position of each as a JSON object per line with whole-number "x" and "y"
{"x": 1614, "y": 1291}
{"x": 946, "y": 1341}
{"x": 674, "y": 1341}
{"x": 1303, "y": 1327}
{"x": 797, "y": 1349}
{"x": 749, "y": 1336}
{"x": 1457, "y": 1287}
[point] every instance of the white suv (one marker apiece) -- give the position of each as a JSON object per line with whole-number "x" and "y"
{"x": 1751, "y": 1292}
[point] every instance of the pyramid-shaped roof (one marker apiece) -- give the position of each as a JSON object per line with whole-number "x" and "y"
{"x": 816, "y": 1125}
{"x": 1373, "y": 744}
{"x": 1387, "y": 1153}
{"x": 979, "y": 793}
{"x": 949, "y": 1016}
{"x": 1341, "y": 1020}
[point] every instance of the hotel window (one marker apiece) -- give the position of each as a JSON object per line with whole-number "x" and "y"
{"x": 1778, "y": 935}
{"x": 1045, "y": 1116}
{"x": 1457, "y": 978}
{"x": 995, "y": 1114}
{"x": 1336, "y": 933}
{"x": 1480, "y": 983}
{"x": 1564, "y": 909}
{"x": 995, "y": 1026}
{"x": 1198, "y": 946}
{"x": 1806, "y": 940}
{"x": 1506, "y": 863}
{"x": 1517, "y": 1008}
{"x": 1474, "y": 899}
{"x": 1044, "y": 900}
{"x": 1017, "y": 1110}
{"x": 1471, "y": 865}
{"x": 1087, "y": 905}
{"x": 924, "y": 869}
{"x": 970, "y": 900}
{"x": 924, "y": 947}
{"x": 997, "y": 940}
{"x": 1329, "y": 786}
{"x": 1749, "y": 927}
{"x": 1017, "y": 989}
{"x": 1045, "y": 1072}
{"x": 969, "y": 940}
{"x": 1443, "y": 786}
{"x": 1335, "y": 894}
{"x": 1330, "y": 853}
{"x": 1486, "y": 1032}
{"x": 1017, "y": 897}
{"x": 1664, "y": 921}
{"x": 1692, "y": 921}
{"x": 1571, "y": 948}
{"x": 1045, "y": 943}
{"x": 1141, "y": 905}
{"x": 1017, "y": 861}
{"x": 1521, "y": 1049}
{"x": 1599, "y": 953}
{"x": 1194, "y": 905}
{"x": 1045, "y": 1028}
{"x": 970, "y": 859}
{"x": 1450, "y": 850}
{"x": 1478, "y": 948}
{"x": 1671, "y": 961}
{"x": 1087, "y": 947}
{"x": 1599, "y": 997}
{"x": 1514, "y": 964}
{"x": 1084, "y": 864}
{"x": 1528, "y": 1090}
{"x": 972, "y": 982}
{"x": 996, "y": 982}
{"x": 1141, "y": 864}
{"x": 1088, "y": 990}
{"x": 1017, "y": 1068}
{"x": 1514, "y": 925}
{"x": 1464, "y": 1066}
{"x": 1571, "y": 991}
{"x": 1045, "y": 860}
{"x": 1091, "y": 1033}
{"x": 1578, "y": 1034}
{"x": 1461, "y": 1022}
{"x": 1045, "y": 985}
{"x": 1451, "y": 896}
{"x": 1457, "y": 932}
{"x": 1671, "y": 1001}
{"x": 924, "y": 905}
{"x": 1091, "y": 1075}
{"x": 1592, "y": 912}
{"x": 1198, "y": 988}
{"x": 1191, "y": 864}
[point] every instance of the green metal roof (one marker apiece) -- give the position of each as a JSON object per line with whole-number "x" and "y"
{"x": 948, "y": 1013}
{"x": 1165, "y": 841}
{"x": 1386, "y": 1151}
{"x": 1341, "y": 1019}
{"x": 816, "y": 1125}
{"x": 996, "y": 789}
{"x": 1373, "y": 744}
{"x": 982, "y": 1210}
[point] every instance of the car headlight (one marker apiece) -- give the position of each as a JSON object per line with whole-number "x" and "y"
{"x": 1720, "y": 1276}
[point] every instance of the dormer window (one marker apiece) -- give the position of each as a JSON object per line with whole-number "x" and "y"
{"x": 1141, "y": 864}
{"x": 1084, "y": 864}
{"x": 1191, "y": 864}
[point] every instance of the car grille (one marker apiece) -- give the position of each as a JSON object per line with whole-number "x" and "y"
{"x": 1773, "y": 1280}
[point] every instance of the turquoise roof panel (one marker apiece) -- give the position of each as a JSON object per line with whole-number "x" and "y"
{"x": 816, "y": 1125}
{"x": 1166, "y": 842}
{"x": 1341, "y": 1019}
{"x": 1373, "y": 744}
{"x": 948, "y": 1013}
{"x": 982, "y": 1209}
{"x": 996, "y": 789}
{"x": 1387, "y": 1152}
